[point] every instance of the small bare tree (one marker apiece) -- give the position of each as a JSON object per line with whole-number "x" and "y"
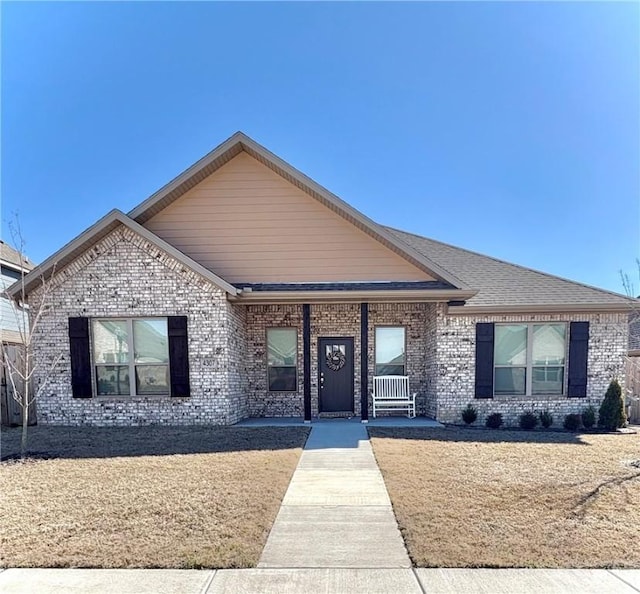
{"x": 632, "y": 363}
{"x": 22, "y": 367}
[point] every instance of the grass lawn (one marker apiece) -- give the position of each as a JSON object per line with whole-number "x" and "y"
{"x": 143, "y": 496}
{"x": 474, "y": 498}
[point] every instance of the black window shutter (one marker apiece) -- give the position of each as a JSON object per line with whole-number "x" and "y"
{"x": 578, "y": 351}
{"x": 178, "y": 355}
{"x": 80, "y": 357}
{"x": 484, "y": 360}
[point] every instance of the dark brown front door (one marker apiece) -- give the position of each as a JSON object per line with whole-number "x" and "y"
{"x": 335, "y": 369}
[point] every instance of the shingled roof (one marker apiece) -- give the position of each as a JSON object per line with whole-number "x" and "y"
{"x": 509, "y": 287}
{"x": 12, "y": 258}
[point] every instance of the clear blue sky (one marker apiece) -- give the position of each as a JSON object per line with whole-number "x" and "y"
{"x": 507, "y": 128}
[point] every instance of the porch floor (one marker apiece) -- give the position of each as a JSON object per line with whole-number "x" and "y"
{"x": 391, "y": 421}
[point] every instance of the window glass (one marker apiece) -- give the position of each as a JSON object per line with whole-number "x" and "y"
{"x": 510, "y": 380}
{"x": 110, "y": 341}
{"x": 547, "y": 380}
{"x": 282, "y": 351}
{"x": 152, "y": 379}
{"x": 112, "y": 380}
{"x": 282, "y": 379}
{"x": 510, "y": 345}
{"x": 548, "y": 344}
{"x": 150, "y": 341}
{"x": 281, "y": 346}
{"x": 529, "y": 359}
{"x": 390, "y": 355}
{"x": 131, "y": 357}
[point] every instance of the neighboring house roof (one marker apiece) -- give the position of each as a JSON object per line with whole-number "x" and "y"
{"x": 11, "y": 258}
{"x": 93, "y": 234}
{"x": 509, "y": 287}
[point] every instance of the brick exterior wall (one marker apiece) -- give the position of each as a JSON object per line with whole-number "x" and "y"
{"x": 124, "y": 275}
{"x": 263, "y": 403}
{"x": 418, "y": 320}
{"x": 455, "y": 382}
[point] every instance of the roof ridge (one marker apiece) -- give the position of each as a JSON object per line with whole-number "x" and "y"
{"x": 534, "y": 270}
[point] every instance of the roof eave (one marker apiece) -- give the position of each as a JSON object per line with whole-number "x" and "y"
{"x": 380, "y": 296}
{"x": 542, "y": 308}
{"x": 16, "y": 267}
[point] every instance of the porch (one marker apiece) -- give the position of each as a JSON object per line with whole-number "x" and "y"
{"x": 318, "y": 360}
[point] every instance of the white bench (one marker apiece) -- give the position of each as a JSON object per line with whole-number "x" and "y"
{"x": 391, "y": 392}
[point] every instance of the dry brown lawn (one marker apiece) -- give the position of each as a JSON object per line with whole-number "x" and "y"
{"x": 143, "y": 497}
{"x": 474, "y": 498}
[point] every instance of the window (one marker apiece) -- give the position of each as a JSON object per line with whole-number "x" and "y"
{"x": 131, "y": 357}
{"x": 390, "y": 357}
{"x": 282, "y": 352}
{"x": 529, "y": 359}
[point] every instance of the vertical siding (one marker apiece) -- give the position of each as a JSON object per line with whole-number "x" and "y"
{"x": 247, "y": 224}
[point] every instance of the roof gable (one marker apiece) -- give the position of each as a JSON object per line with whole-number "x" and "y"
{"x": 250, "y": 225}
{"x": 240, "y": 143}
{"x": 92, "y": 235}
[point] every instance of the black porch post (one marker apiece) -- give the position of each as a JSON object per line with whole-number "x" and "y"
{"x": 306, "y": 359}
{"x": 364, "y": 362}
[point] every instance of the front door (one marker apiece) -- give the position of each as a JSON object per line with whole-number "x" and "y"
{"x": 335, "y": 369}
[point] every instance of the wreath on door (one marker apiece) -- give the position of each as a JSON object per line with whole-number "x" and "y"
{"x": 335, "y": 358}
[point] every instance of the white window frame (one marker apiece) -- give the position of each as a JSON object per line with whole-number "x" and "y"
{"x": 133, "y": 392}
{"x": 528, "y": 366}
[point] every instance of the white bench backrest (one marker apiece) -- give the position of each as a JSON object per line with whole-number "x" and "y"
{"x": 391, "y": 387}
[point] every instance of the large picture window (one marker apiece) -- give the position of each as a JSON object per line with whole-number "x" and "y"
{"x": 529, "y": 359}
{"x": 131, "y": 356}
{"x": 390, "y": 347}
{"x": 282, "y": 352}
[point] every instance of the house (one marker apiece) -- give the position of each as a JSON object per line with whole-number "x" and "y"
{"x": 245, "y": 289}
{"x": 12, "y": 320}
{"x": 13, "y": 331}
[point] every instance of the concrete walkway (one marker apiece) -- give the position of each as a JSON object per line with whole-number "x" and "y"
{"x": 336, "y": 512}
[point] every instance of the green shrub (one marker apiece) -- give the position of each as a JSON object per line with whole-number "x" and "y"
{"x": 611, "y": 414}
{"x": 589, "y": 417}
{"x": 494, "y": 421}
{"x": 528, "y": 420}
{"x": 469, "y": 414}
{"x": 572, "y": 422}
{"x": 546, "y": 419}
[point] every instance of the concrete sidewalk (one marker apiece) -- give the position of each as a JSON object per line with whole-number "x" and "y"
{"x": 336, "y": 511}
{"x": 320, "y": 581}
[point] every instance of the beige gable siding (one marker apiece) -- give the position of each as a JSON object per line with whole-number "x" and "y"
{"x": 247, "y": 224}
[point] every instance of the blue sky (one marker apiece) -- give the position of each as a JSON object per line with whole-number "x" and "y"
{"x": 512, "y": 129}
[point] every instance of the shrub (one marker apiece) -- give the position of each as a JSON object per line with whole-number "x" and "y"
{"x": 528, "y": 420}
{"x": 612, "y": 415}
{"x": 494, "y": 421}
{"x": 469, "y": 414}
{"x": 589, "y": 417}
{"x": 572, "y": 422}
{"x": 546, "y": 419}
